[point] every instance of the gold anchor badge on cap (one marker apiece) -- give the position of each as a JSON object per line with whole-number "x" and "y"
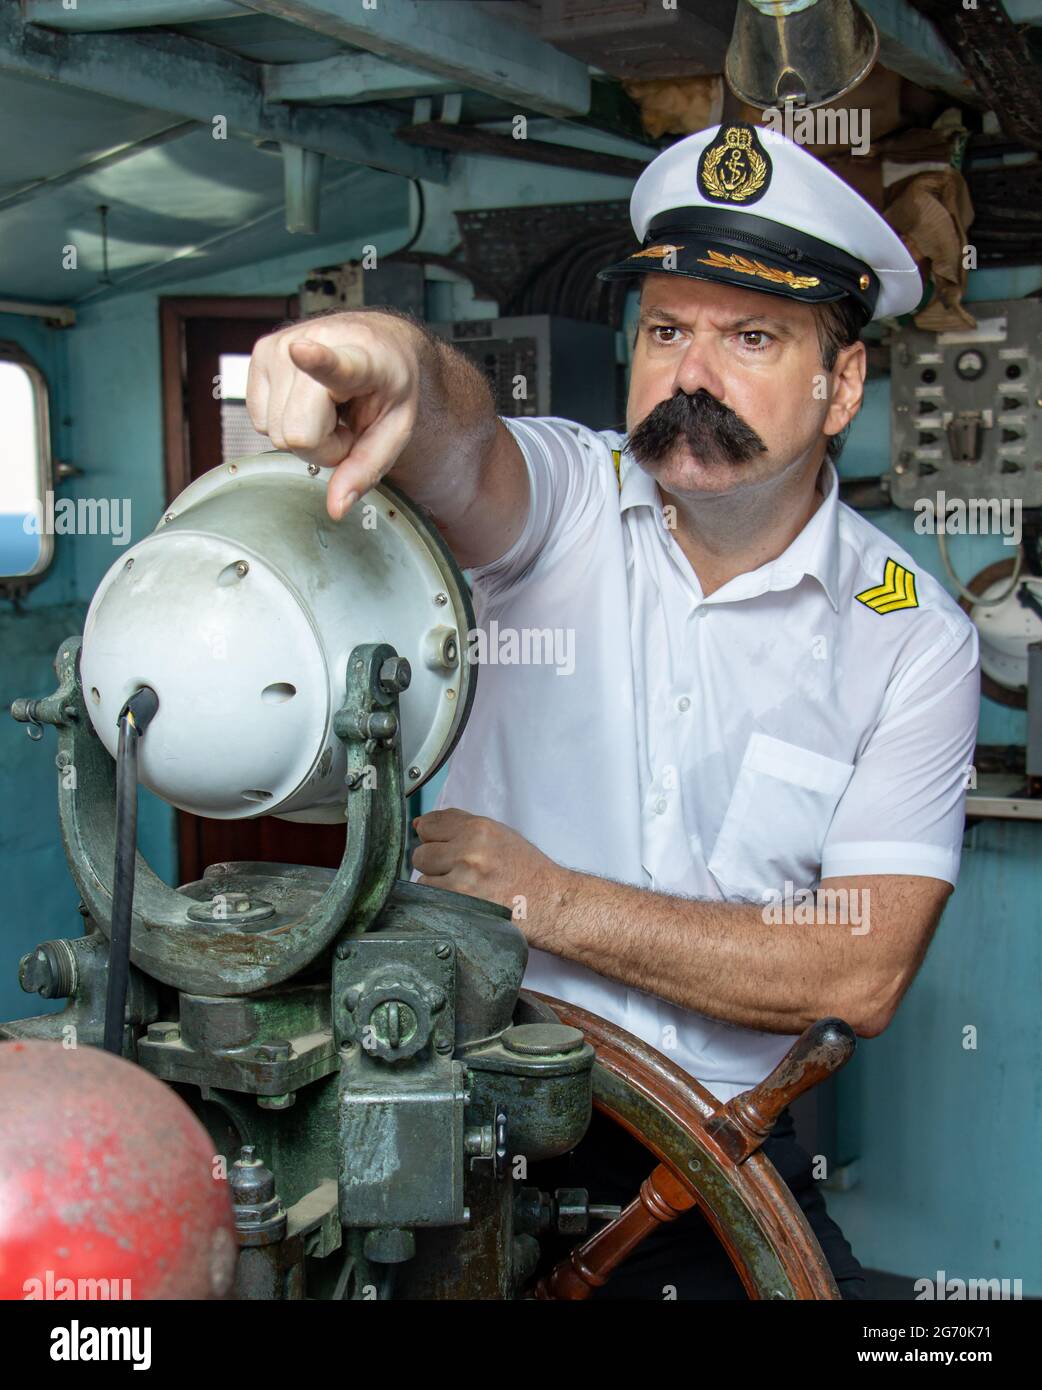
{"x": 735, "y": 167}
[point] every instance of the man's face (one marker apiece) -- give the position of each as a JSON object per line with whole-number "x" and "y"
{"x": 737, "y": 381}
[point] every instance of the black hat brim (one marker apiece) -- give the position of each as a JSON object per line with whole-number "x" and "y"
{"x": 750, "y": 253}
{"x": 726, "y": 266}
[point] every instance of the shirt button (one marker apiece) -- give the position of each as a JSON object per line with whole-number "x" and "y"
{"x": 660, "y": 806}
{"x": 683, "y": 704}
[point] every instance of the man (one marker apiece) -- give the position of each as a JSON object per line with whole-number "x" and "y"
{"x": 765, "y": 697}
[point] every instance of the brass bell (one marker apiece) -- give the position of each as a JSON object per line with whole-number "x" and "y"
{"x": 807, "y": 52}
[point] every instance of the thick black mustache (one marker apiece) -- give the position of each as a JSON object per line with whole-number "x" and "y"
{"x": 710, "y": 429}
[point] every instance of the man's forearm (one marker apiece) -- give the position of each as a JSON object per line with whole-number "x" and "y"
{"x": 851, "y": 950}
{"x": 720, "y": 959}
{"x": 461, "y": 464}
{"x": 441, "y": 466}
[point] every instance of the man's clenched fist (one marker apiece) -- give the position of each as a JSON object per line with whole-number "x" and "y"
{"x": 482, "y": 857}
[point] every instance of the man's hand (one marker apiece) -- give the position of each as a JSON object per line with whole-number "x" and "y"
{"x": 342, "y": 392}
{"x": 482, "y": 857}
{"x": 371, "y": 393}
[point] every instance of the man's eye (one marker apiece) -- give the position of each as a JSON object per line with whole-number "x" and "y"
{"x": 756, "y": 339}
{"x": 661, "y": 328}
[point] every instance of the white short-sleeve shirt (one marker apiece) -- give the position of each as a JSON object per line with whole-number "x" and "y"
{"x": 738, "y": 747}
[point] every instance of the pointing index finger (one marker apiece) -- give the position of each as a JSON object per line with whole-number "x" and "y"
{"x": 345, "y": 371}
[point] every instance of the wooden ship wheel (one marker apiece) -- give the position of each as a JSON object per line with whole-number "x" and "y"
{"x": 708, "y": 1155}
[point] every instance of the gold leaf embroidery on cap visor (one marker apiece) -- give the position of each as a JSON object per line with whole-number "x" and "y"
{"x": 655, "y": 251}
{"x": 744, "y": 266}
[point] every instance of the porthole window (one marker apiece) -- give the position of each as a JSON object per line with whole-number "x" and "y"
{"x": 26, "y": 480}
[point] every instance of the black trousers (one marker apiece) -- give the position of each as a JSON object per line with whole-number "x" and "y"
{"x": 685, "y": 1255}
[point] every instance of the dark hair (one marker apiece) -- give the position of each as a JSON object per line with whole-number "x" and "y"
{"x": 839, "y": 325}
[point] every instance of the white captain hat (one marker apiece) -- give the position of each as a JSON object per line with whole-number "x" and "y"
{"x": 744, "y": 205}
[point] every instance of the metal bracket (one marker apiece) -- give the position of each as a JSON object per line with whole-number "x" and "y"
{"x": 217, "y": 957}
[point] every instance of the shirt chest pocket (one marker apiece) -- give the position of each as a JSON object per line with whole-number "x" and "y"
{"x": 777, "y": 819}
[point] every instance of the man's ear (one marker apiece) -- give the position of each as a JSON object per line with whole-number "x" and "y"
{"x": 848, "y": 388}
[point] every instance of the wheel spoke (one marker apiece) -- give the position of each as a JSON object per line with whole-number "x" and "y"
{"x": 662, "y": 1198}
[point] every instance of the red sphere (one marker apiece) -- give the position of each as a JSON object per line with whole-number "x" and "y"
{"x": 107, "y": 1186}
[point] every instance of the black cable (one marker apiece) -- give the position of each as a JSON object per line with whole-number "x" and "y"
{"x": 134, "y": 719}
{"x": 421, "y": 217}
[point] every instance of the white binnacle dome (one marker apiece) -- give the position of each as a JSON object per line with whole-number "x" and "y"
{"x": 1006, "y": 630}
{"x": 241, "y": 609}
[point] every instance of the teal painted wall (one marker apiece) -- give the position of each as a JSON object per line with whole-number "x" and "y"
{"x": 946, "y": 1138}
{"x": 104, "y": 412}
{"x": 37, "y": 886}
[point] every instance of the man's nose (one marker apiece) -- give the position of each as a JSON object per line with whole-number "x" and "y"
{"x": 698, "y": 370}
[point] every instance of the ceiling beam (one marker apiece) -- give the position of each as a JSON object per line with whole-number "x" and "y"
{"x": 163, "y": 71}
{"x": 350, "y": 77}
{"x": 471, "y": 139}
{"x": 998, "y": 55}
{"x": 460, "y": 42}
{"x": 96, "y": 15}
{"x": 910, "y": 45}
